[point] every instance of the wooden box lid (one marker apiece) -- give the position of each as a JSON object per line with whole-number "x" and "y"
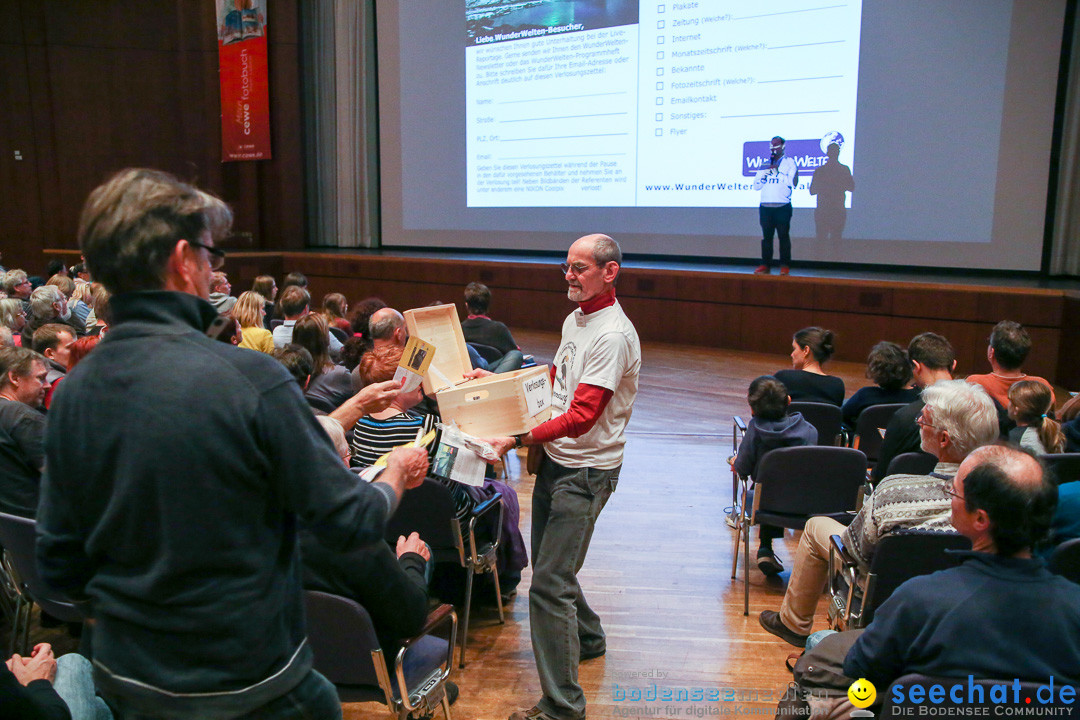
{"x": 440, "y": 326}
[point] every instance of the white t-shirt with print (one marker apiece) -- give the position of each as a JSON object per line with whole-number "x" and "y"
{"x": 599, "y": 349}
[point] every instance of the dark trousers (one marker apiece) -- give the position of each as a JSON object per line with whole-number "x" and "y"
{"x": 778, "y": 220}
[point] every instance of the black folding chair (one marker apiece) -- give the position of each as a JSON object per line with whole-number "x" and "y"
{"x": 869, "y": 429}
{"x": 348, "y": 654}
{"x": 1066, "y": 466}
{"x": 825, "y": 417}
{"x": 912, "y": 463}
{"x": 900, "y": 556}
{"x": 794, "y": 484}
{"x": 1066, "y": 560}
{"x": 429, "y": 511}
{"x": 17, "y": 536}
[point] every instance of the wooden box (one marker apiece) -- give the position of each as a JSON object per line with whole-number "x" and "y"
{"x": 506, "y": 404}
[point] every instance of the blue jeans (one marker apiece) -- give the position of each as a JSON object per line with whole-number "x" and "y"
{"x": 566, "y": 504}
{"x": 315, "y": 698}
{"x": 74, "y": 684}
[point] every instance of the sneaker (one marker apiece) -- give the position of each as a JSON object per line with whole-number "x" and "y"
{"x": 768, "y": 563}
{"x": 785, "y": 270}
{"x": 770, "y": 620}
{"x": 732, "y": 520}
{"x": 761, "y": 270}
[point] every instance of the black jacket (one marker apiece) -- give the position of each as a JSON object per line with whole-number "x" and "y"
{"x": 176, "y": 467}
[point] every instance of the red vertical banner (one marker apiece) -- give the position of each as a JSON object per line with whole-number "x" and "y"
{"x": 244, "y": 79}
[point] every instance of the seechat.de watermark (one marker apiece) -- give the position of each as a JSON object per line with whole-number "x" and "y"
{"x": 966, "y": 698}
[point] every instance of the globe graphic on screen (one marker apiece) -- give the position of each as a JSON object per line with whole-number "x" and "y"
{"x": 829, "y": 138}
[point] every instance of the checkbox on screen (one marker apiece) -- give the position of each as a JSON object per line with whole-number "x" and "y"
{"x": 660, "y": 101}
{"x": 659, "y": 8}
{"x": 659, "y": 117}
{"x": 659, "y": 39}
{"x": 660, "y": 55}
{"x": 659, "y": 132}
{"x": 659, "y": 86}
{"x": 659, "y": 24}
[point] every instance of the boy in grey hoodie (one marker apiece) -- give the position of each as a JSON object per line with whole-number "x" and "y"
{"x": 770, "y": 427}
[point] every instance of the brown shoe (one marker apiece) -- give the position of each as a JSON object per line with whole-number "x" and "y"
{"x": 761, "y": 270}
{"x": 785, "y": 270}
{"x": 770, "y": 620}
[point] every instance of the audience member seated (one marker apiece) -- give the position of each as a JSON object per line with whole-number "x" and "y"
{"x": 44, "y": 687}
{"x": 376, "y": 434}
{"x": 807, "y": 382}
{"x": 391, "y": 585}
{"x": 22, "y": 429}
{"x": 295, "y": 304}
{"x": 360, "y": 316}
{"x": 334, "y": 307}
{"x": 387, "y": 327}
{"x": 888, "y": 367}
{"x": 1009, "y": 347}
{"x": 957, "y": 418}
{"x": 56, "y": 267}
{"x": 1030, "y": 404}
{"x": 478, "y": 328}
{"x": 13, "y": 317}
{"x": 1066, "y": 522}
{"x": 330, "y": 384}
{"x": 293, "y": 279}
{"x": 98, "y": 322}
{"x": 54, "y": 342}
{"x": 82, "y": 299}
{"x": 17, "y": 285}
{"x": 78, "y": 350}
{"x": 220, "y": 287}
{"x": 932, "y": 358}
{"x": 1025, "y": 618}
{"x": 48, "y": 305}
{"x": 266, "y": 286}
{"x": 79, "y": 309}
{"x": 249, "y": 311}
{"x": 771, "y": 426}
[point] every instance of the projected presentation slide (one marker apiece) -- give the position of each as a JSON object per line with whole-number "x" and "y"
{"x": 922, "y": 131}
{"x": 663, "y": 104}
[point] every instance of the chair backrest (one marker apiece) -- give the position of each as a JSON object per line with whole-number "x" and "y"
{"x": 428, "y": 510}
{"x": 1066, "y": 466}
{"x": 489, "y": 353}
{"x": 868, "y": 428}
{"x": 810, "y": 480}
{"x": 275, "y": 322}
{"x": 339, "y": 334}
{"x": 1066, "y": 560}
{"x": 912, "y": 463}
{"x": 823, "y": 416}
{"x": 18, "y": 538}
{"x": 342, "y": 637}
{"x": 903, "y": 555}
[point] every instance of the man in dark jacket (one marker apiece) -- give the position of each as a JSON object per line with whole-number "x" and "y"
{"x": 177, "y": 467}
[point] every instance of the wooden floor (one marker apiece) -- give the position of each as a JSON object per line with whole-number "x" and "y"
{"x": 659, "y": 568}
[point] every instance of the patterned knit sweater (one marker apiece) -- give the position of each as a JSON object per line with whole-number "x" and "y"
{"x": 900, "y": 502}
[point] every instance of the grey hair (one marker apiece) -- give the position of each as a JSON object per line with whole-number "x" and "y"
{"x": 42, "y": 300}
{"x": 9, "y": 310}
{"x": 605, "y": 250}
{"x": 385, "y": 326}
{"x": 18, "y": 360}
{"x": 13, "y": 278}
{"x": 965, "y": 411}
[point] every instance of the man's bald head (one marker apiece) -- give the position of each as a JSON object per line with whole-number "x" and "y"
{"x": 385, "y": 323}
{"x": 1006, "y": 501}
{"x": 603, "y": 248}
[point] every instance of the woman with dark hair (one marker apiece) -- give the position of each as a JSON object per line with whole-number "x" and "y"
{"x": 361, "y": 314}
{"x": 888, "y": 367}
{"x": 807, "y": 382}
{"x": 330, "y": 384}
{"x": 294, "y": 278}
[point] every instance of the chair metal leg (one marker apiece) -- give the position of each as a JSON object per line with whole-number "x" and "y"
{"x": 498, "y": 594}
{"x": 735, "y": 554}
{"x": 446, "y": 707}
{"x": 465, "y": 622}
{"x": 746, "y": 568}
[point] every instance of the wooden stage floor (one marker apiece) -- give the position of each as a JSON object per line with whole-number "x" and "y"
{"x": 658, "y": 570}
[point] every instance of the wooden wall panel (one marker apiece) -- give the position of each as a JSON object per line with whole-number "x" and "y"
{"x": 98, "y": 86}
{"x": 730, "y": 311}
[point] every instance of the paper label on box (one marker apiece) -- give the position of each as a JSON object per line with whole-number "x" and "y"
{"x": 415, "y": 361}
{"x": 537, "y": 393}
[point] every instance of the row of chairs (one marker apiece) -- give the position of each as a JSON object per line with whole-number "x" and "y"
{"x": 347, "y": 650}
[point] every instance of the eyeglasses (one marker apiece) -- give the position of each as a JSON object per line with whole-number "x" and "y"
{"x": 217, "y": 255}
{"x": 922, "y": 423}
{"x": 574, "y": 269}
{"x": 947, "y": 488}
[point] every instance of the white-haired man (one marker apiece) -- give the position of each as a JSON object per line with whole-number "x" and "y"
{"x": 957, "y": 418}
